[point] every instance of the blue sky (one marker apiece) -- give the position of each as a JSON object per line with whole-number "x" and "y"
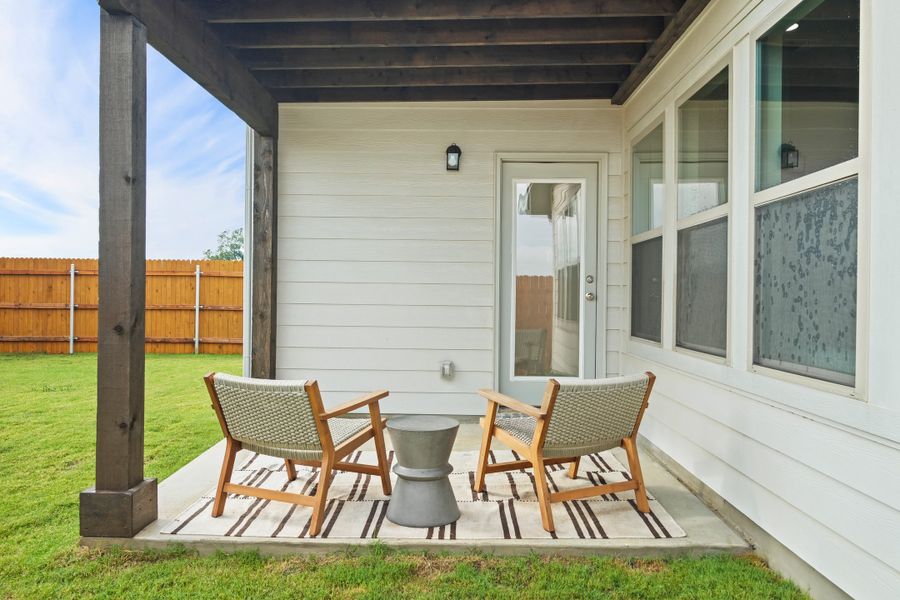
{"x": 49, "y": 62}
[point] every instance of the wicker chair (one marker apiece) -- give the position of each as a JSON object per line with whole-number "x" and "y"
{"x": 572, "y": 421}
{"x": 286, "y": 419}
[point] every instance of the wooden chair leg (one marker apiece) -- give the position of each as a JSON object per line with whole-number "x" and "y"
{"x": 231, "y": 450}
{"x": 486, "y": 438}
{"x": 573, "y": 468}
{"x": 318, "y": 513}
{"x": 543, "y": 493}
{"x": 290, "y": 470}
{"x": 384, "y": 467}
{"x": 634, "y": 464}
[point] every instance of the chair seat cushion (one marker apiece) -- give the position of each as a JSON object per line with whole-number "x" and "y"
{"x": 522, "y": 427}
{"x": 341, "y": 431}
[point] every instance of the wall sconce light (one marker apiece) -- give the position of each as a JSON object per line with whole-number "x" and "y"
{"x": 454, "y": 154}
{"x": 790, "y": 156}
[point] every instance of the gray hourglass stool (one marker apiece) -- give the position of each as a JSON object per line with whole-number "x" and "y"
{"x": 423, "y": 496}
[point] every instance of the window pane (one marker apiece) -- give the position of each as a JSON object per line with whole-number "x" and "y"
{"x": 548, "y": 279}
{"x": 647, "y": 189}
{"x": 703, "y": 148}
{"x": 805, "y": 283}
{"x": 701, "y": 319}
{"x": 646, "y": 289}
{"x": 808, "y": 91}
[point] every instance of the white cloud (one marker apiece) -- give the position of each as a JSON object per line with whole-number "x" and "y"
{"x": 49, "y": 54}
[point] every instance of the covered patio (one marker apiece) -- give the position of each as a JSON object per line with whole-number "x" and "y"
{"x": 256, "y": 57}
{"x": 453, "y": 196}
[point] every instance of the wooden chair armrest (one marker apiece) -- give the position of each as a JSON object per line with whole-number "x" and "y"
{"x": 354, "y": 404}
{"x": 512, "y": 403}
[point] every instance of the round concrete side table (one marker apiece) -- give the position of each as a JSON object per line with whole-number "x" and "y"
{"x": 423, "y": 496}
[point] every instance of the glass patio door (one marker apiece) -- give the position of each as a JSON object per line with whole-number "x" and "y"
{"x": 548, "y": 291}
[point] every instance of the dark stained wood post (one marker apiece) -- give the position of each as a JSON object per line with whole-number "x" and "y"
{"x": 122, "y": 502}
{"x": 264, "y": 242}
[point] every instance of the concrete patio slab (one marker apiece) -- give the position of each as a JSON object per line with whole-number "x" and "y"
{"x": 706, "y": 532}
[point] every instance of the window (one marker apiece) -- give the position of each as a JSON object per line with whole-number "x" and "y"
{"x": 805, "y": 292}
{"x": 647, "y": 189}
{"x": 807, "y": 91}
{"x": 647, "y": 210}
{"x": 701, "y": 316}
{"x": 646, "y": 289}
{"x": 805, "y": 254}
{"x": 701, "y": 319}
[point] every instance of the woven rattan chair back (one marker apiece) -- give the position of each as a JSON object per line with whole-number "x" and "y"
{"x": 265, "y": 412}
{"x": 596, "y": 413}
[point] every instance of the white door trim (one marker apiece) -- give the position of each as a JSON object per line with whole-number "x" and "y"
{"x": 601, "y": 159}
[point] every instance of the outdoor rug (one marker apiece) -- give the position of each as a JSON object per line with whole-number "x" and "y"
{"x": 356, "y": 507}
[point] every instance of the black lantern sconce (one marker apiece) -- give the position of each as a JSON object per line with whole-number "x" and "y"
{"x": 790, "y": 156}
{"x": 454, "y": 154}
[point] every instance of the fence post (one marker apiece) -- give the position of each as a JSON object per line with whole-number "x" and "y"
{"x": 197, "y": 310}
{"x": 72, "y": 308}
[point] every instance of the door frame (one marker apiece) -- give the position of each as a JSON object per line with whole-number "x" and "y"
{"x": 601, "y": 159}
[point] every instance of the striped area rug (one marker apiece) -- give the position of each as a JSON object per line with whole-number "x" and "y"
{"x": 356, "y": 508}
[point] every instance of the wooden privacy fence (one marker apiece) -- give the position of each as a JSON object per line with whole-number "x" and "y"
{"x": 50, "y": 305}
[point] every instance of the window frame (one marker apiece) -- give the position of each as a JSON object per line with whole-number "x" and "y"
{"x": 705, "y": 216}
{"x": 644, "y": 236}
{"x": 858, "y": 166}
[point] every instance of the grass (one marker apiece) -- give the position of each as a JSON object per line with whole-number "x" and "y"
{"x": 46, "y": 458}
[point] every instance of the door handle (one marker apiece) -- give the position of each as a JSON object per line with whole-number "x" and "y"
{"x": 589, "y": 296}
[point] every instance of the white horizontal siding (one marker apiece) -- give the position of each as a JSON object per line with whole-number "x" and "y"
{"x": 382, "y": 184}
{"x": 419, "y": 382}
{"x": 412, "y": 338}
{"x": 386, "y": 250}
{"x": 385, "y": 359}
{"x": 373, "y": 206}
{"x": 318, "y": 163}
{"x": 386, "y": 228}
{"x": 386, "y": 260}
{"x": 396, "y": 294}
{"x": 363, "y": 315}
{"x": 813, "y": 542}
{"x": 334, "y": 271}
{"x": 432, "y": 145}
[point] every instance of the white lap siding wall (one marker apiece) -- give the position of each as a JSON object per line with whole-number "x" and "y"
{"x": 386, "y": 261}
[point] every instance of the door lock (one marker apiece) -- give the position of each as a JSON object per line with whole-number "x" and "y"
{"x": 589, "y": 279}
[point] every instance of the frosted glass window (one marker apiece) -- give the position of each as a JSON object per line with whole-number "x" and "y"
{"x": 646, "y": 289}
{"x": 807, "y": 91}
{"x": 805, "y": 283}
{"x": 647, "y": 190}
{"x": 703, "y": 148}
{"x": 702, "y": 303}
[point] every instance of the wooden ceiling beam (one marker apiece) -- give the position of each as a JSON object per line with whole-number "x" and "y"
{"x": 441, "y": 33}
{"x": 442, "y": 76}
{"x": 240, "y": 11}
{"x": 674, "y": 30}
{"x": 440, "y": 56}
{"x": 177, "y": 32}
{"x": 448, "y": 94}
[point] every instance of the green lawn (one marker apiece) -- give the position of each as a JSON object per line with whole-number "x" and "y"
{"x": 46, "y": 458}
